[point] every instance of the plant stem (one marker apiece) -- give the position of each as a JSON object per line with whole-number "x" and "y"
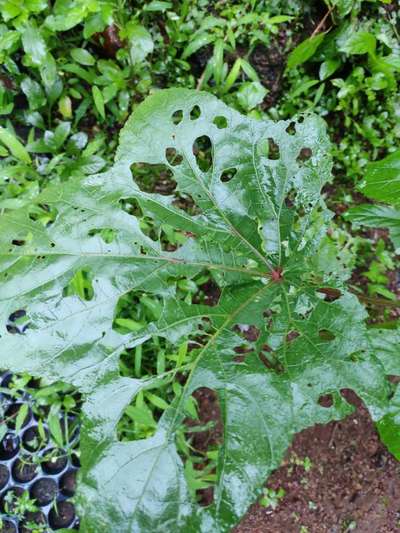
{"x": 375, "y": 301}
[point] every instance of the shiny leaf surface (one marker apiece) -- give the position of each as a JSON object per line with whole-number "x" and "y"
{"x": 256, "y": 223}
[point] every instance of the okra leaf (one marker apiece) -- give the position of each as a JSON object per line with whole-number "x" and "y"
{"x": 387, "y": 343}
{"x": 248, "y": 208}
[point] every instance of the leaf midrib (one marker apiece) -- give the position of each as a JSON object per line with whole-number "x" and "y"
{"x": 171, "y": 260}
{"x": 178, "y": 407}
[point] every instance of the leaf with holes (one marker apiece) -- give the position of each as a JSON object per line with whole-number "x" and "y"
{"x": 279, "y": 343}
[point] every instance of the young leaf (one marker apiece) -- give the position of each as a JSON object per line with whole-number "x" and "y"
{"x": 34, "y": 92}
{"x": 98, "y": 101}
{"x": 13, "y": 144}
{"x": 257, "y": 229}
{"x": 140, "y": 41}
{"x": 358, "y": 42}
{"x": 304, "y": 51}
{"x": 21, "y": 416}
{"x": 251, "y": 94}
{"x": 36, "y": 50}
{"x": 82, "y": 56}
{"x": 34, "y": 45}
{"x": 200, "y": 40}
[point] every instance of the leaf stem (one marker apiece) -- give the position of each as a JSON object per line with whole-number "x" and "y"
{"x": 322, "y": 21}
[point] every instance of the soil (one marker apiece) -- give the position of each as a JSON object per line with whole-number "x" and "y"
{"x": 44, "y": 491}
{"x": 337, "y": 477}
{"x": 63, "y": 516}
{"x": 353, "y": 483}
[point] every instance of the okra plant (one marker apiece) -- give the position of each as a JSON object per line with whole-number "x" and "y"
{"x": 247, "y": 202}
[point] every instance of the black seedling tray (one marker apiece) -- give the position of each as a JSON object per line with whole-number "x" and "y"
{"x": 51, "y": 483}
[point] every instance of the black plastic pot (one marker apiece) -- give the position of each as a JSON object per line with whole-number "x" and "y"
{"x": 46, "y": 473}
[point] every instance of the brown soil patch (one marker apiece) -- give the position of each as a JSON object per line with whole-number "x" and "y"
{"x": 353, "y": 484}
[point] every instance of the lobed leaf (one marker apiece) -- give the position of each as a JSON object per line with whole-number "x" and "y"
{"x": 256, "y": 225}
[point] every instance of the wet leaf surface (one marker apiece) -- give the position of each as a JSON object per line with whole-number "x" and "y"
{"x": 259, "y": 234}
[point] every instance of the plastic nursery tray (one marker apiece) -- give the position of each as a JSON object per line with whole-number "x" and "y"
{"x": 51, "y": 483}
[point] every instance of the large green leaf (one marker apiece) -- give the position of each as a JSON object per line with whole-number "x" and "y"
{"x": 258, "y": 227}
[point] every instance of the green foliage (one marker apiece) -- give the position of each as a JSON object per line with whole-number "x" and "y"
{"x": 304, "y": 51}
{"x": 382, "y": 183}
{"x": 271, "y": 498}
{"x": 257, "y": 228}
{"x": 70, "y": 72}
{"x": 351, "y": 78}
{"x": 13, "y": 144}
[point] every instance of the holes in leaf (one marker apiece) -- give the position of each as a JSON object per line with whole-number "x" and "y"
{"x": 228, "y": 174}
{"x": 326, "y": 336}
{"x": 185, "y": 202}
{"x": 269, "y": 361}
{"x": 131, "y": 206}
{"x": 195, "y": 112}
{"x": 202, "y": 149}
{"x": 18, "y": 322}
{"x": 291, "y": 129}
{"x": 304, "y": 155}
{"x": 208, "y": 293}
{"x": 173, "y": 157}
{"x": 350, "y": 397}
{"x": 177, "y": 116}
{"x": 43, "y": 213}
{"x": 249, "y": 333}
{"x": 290, "y": 199}
{"x": 325, "y": 400}
{"x": 292, "y": 335}
{"x": 331, "y": 294}
{"x": 140, "y": 418}
{"x": 198, "y": 442}
{"x": 107, "y": 234}
{"x": 273, "y": 149}
{"x": 153, "y": 178}
{"x": 133, "y": 311}
{"x": 18, "y": 242}
{"x": 170, "y": 238}
{"x": 80, "y": 285}
{"x": 221, "y": 122}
